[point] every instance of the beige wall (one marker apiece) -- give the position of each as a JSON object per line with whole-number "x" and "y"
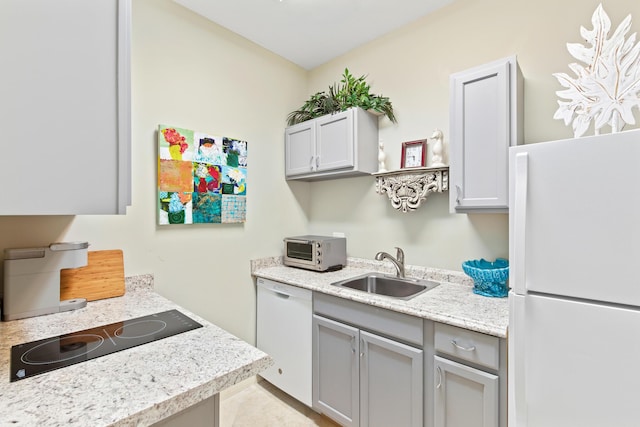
{"x": 195, "y": 74}
{"x": 412, "y": 66}
{"x": 191, "y": 73}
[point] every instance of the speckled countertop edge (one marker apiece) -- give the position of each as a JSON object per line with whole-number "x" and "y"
{"x": 134, "y": 387}
{"x": 452, "y": 302}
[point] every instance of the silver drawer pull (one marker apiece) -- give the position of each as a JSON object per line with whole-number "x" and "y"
{"x": 472, "y": 348}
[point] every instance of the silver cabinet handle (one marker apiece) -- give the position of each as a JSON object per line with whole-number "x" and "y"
{"x": 458, "y": 194}
{"x": 311, "y": 163}
{"x": 317, "y": 162}
{"x": 439, "y": 371}
{"x": 353, "y": 344}
{"x": 472, "y": 348}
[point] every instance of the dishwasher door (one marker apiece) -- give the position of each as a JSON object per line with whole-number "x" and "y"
{"x": 283, "y": 318}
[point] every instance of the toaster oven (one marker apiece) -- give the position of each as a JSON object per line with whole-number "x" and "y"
{"x": 318, "y": 253}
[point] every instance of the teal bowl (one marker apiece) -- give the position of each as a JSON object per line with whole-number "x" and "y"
{"x": 489, "y": 278}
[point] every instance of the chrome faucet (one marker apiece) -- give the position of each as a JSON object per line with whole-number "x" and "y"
{"x": 398, "y": 261}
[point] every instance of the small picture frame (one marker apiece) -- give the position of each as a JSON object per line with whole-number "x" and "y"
{"x": 414, "y": 154}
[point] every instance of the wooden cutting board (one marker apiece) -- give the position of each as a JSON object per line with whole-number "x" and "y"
{"x": 102, "y": 277}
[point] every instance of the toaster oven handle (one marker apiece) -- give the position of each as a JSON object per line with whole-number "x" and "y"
{"x": 289, "y": 240}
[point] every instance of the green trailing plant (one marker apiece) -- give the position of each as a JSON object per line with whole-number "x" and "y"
{"x": 350, "y": 92}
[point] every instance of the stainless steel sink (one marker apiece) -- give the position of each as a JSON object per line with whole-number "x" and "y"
{"x": 380, "y": 284}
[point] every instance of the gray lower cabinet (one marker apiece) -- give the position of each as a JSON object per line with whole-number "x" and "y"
{"x": 469, "y": 378}
{"x": 374, "y": 367}
{"x": 363, "y": 373}
{"x": 390, "y": 382}
{"x": 464, "y": 396}
{"x": 336, "y": 365}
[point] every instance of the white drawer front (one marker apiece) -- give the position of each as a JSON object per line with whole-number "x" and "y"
{"x": 468, "y": 345}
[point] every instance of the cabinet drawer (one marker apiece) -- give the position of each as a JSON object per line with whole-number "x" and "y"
{"x": 468, "y": 345}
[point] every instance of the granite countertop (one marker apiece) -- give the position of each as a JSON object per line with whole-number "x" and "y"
{"x": 133, "y": 387}
{"x": 452, "y": 302}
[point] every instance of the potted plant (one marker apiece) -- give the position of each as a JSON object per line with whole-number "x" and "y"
{"x": 350, "y": 92}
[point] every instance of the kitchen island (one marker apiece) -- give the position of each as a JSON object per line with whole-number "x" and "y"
{"x": 139, "y": 386}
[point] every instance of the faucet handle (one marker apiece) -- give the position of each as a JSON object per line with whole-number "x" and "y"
{"x": 399, "y": 255}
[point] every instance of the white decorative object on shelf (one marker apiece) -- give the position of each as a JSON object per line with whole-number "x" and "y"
{"x": 381, "y": 157}
{"x": 606, "y": 89}
{"x": 437, "y": 150}
{"x": 407, "y": 189}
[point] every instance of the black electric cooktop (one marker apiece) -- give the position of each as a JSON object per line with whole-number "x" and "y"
{"x": 53, "y": 353}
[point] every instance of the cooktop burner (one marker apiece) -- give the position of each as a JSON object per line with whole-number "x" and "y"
{"x": 46, "y": 355}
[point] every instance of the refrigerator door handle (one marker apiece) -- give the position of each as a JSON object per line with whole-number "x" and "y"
{"x": 518, "y": 266}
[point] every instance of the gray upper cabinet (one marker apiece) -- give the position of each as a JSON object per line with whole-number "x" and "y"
{"x": 65, "y": 107}
{"x": 486, "y": 117}
{"x": 332, "y": 146}
{"x": 300, "y": 148}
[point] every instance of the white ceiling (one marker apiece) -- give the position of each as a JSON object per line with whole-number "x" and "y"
{"x": 312, "y": 32}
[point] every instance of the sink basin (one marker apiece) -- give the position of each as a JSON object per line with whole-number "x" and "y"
{"x": 380, "y": 284}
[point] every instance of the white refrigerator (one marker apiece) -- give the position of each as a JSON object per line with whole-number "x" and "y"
{"x": 574, "y": 304}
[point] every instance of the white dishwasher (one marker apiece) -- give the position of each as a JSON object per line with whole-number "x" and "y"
{"x": 283, "y": 319}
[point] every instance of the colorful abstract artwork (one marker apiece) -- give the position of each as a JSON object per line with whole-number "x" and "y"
{"x": 202, "y": 179}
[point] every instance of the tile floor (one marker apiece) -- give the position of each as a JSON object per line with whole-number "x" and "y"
{"x": 260, "y": 404}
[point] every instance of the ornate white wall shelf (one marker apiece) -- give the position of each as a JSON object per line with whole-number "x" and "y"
{"x": 407, "y": 189}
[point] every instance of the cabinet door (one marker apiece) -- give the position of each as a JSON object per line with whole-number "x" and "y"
{"x": 335, "y": 143}
{"x": 65, "y": 107}
{"x": 481, "y": 133}
{"x": 390, "y": 382}
{"x": 335, "y": 371}
{"x": 299, "y": 148}
{"x": 464, "y": 396}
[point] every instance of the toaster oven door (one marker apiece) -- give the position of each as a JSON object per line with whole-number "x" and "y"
{"x": 299, "y": 250}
